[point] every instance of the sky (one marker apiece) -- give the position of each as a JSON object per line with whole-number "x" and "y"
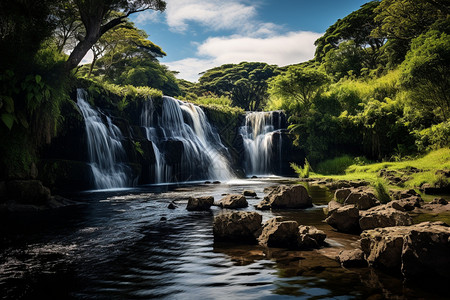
{"x": 198, "y": 35}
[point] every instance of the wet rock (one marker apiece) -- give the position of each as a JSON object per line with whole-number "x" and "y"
{"x": 361, "y": 200}
{"x": 233, "y": 201}
{"x": 171, "y": 206}
{"x": 310, "y": 237}
{"x": 254, "y": 176}
{"x": 216, "y": 182}
{"x": 278, "y": 233}
{"x": 383, "y": 216}
{"x": 163, "y": 219}
{"x": 332, "y": 206}
{"x": 200, "y": 203}
{"x": 207, "y": 182}
{"x": 418, "y": 251}
{"x": 249, "y": 193}
{"x": 27, "y": 192}
{"x": 345, "y": 219}
{"x": 352, "y": 258}
{"x": 237, "y": 226}
{"x": 283, "y": 196}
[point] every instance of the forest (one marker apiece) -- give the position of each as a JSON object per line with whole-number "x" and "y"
{"x": 377, "y": 88}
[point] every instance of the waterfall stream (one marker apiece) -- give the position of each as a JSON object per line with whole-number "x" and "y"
{"x": 105, "y": 150}
{"x": 258, "y": 135}
{"x": 185, "y": 125}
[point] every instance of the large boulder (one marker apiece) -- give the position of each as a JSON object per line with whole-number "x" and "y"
{"x": 278, "y": 233}
{"x": 341, "y": 194}
{"x": 310, "y": 237}
{"x": 419, "y": 251}
{"x": 249, "y": 193}
{"x": 383, "y": 216}
{"x": 283, "y": 196}
{"x": 200, "y": 203}
{"x": 345, "y": 219}
{"x": 237, "y": 226}
{"x": 233, "y": 201}
{"x": 27, "y": 192}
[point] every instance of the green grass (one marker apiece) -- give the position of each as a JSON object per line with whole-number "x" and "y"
{"x": 430, "y": 163}
{"x": 336, "y": 166}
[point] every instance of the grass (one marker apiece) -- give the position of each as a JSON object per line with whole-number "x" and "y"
{"x": 335, "y": 166}
{"x": 429, "y": 164}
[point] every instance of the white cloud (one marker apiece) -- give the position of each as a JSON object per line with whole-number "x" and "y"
{"x": 281, "y": 50}
{"x": 214, "y": 14}
{"x": 148, "y": 16}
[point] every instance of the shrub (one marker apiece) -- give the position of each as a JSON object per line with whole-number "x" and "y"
{"x": 335, "y": 166}
{"x": 302, "y": 172}
{"x": 382, "y": 193}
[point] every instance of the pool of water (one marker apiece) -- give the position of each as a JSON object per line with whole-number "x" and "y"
{"x": 126, "y": 244}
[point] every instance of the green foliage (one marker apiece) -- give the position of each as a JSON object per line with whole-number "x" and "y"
{"x": 426, "y": 73}
{"x": 138, "y": 148}
{"x": 245, "y": 83}
{"x": 216, "y": 101}
{"x": 434, "y": 137}
{"x": 335, "y": 166}
{"x": 297, "y": 87}
{"x": 302, "y": 172}
{"x": 382, "y": 193}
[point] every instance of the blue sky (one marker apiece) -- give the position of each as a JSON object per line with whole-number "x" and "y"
{"x": 200, "y": 34}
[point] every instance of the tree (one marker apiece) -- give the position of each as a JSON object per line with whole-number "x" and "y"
{"x": 426, "y": 72}
{"x": 96, "y": 18}
{"x": 356, "y": 27}
{"x": 244, "y": 83}
{"x": 298, "y": 86}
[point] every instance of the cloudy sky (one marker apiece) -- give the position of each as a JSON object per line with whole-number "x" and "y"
{"x": 200, "y": 34}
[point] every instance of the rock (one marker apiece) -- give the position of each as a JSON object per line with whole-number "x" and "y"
{"x": 310, "y": 237}
{"x": 250, "y": 193}
{"x": 283, "y": 196}
{"x": 345, "y": 219}
{"x": 352, "y": 258}
{"x": 440, "y": 201}
{"x": 207, "y": 182}
{"x": 340, "y": 184}
{"x": 278, "y": 233}
{"x": 233, "y": 201}
{"x": 435, "y": 190}
{"x": 419, "y": 251}
{"x": 216, "y": 182}
{"x": 426, "y": 251}
{"x": 341, "y": 194}
{"x": 383, "y": 217}
{"x": 443, "y": 173}
{"x": 361, "y": 200}
{"x": 171, "y": 206}
{"x": 200, "y": 203}
{"x": 27, "y": 192}
{"x": 332, "y": 206}
{"x": 397, "y": 195}
{"x": 237, "y": 226}
{"x": 163, "y": 219}
{"x": 254, "y": 176}
{"x": 406, "y": 204}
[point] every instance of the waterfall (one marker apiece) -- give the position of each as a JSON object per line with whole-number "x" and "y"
{"x": 105, "y": 150}
{"x": 258, "y": 138}
{"x": 203, "y": 155}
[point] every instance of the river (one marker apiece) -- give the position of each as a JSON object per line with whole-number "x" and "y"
{"x": 126, "y": 244}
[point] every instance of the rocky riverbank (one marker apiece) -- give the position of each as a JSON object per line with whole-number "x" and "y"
{"x": 389, "y": 238}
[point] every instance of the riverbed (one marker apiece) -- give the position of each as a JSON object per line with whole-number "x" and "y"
{"x": 126, "y": 244}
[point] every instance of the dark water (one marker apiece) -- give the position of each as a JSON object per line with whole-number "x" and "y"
{"x": 117, "y": 246}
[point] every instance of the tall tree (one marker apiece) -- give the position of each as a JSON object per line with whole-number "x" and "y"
{"x": 96, "y": 18}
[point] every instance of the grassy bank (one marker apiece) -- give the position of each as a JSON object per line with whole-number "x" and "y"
{"x": 426, "y": 173}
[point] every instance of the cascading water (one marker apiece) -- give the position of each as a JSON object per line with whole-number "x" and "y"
{"x": 258, "y": 138}
{"x": 105, "y": 148}
{"x": 184, "y": 124}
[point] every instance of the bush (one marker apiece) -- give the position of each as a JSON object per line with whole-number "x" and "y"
{"x": 335, "y": 166}
{"x": 434, "y": 137}
{"x": 302, "y": 172}
{"x": 382, "y": 193}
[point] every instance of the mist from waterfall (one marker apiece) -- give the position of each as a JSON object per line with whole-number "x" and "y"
{"x": 105, "y": 149}
{"x": 257, "y": 134}
{"x": 203, "y": 154}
